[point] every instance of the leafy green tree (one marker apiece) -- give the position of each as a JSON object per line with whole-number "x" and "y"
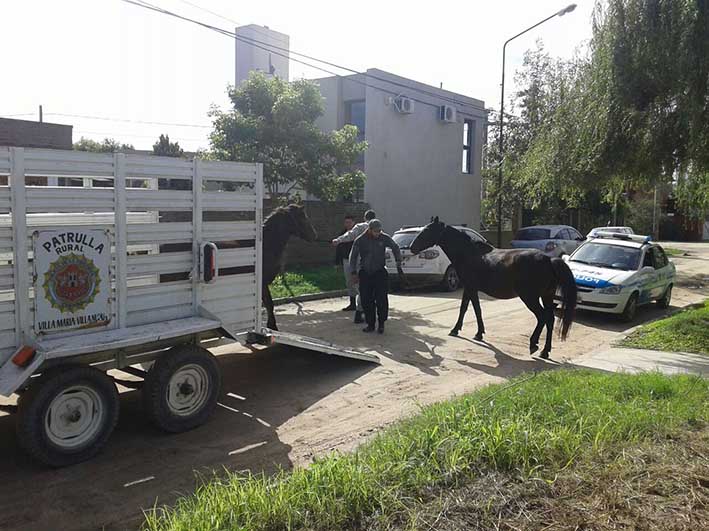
{"x": 273, "y": 122}
{"x": 108, "y": 145}
{"x": 164, "y": 148}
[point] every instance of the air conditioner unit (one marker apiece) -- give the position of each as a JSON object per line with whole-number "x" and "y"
{"x": 447, "y": 114}
{"x": 404, "y": 105}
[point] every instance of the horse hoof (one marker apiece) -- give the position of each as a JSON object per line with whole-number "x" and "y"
{"x": 453, "y": 333}
{"x": 478, "y": 337}
{"x": 544, "y": 355}
{"x": 533, "y": 349}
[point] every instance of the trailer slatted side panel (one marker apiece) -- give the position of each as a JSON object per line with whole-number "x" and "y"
{"x": 159, "y": 212}
{"x": 7, "y": 276}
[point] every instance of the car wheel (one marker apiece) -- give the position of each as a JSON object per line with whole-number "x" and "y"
{"x": 450, "y": 279}
{"x": 631, "y": 309}
{"x": 664, "y": 302}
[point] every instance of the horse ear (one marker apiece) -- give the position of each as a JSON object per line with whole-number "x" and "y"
{"x": 435, "y": 220}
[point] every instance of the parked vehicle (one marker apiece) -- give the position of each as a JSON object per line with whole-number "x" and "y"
{"x": 88, "y": 283}
{"x": 615, "y": 273}
{"x": 430, "y": 266}
{"x": 552, "y": 240}
{"x": 619, "y": 230}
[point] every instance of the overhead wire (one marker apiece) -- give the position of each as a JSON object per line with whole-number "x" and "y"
{"x": 276, "y": 50}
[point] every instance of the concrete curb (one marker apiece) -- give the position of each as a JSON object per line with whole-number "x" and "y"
{"x": 312, "y": 297}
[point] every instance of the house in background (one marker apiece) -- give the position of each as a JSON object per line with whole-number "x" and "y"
{"x": 27, "y": 133}
{"x": 425, "y": 146}
{"x": 425, "y": 143}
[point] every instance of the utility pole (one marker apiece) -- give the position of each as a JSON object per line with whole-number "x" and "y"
{"x": 655, "y": 231}
{"x": 561, "y": 13}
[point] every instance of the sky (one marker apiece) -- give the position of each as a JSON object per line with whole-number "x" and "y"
{"x": 110, "y": 59}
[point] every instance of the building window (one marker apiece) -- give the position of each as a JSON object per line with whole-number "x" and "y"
{"x": 355, "y": 115}
{"x": 468, "y": 129}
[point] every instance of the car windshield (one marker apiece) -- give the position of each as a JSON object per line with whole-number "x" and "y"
{"x": 611, "y": 256}
{"x": 533, "y": 234}
{"x": 404, "y": 239}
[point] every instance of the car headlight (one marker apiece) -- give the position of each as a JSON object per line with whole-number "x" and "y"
{"x": 611, "y": 290}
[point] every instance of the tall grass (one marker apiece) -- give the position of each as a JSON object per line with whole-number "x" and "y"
{"x": 541, "y": 424}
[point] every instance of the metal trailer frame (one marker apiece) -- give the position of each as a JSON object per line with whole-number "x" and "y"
{"x": 162, "y": 308}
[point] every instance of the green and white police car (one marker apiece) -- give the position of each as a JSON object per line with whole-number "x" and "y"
{"x": 616, "y": 273}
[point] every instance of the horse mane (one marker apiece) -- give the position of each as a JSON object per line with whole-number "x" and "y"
{"x": 279, "y": 211}
{"x": 466, "y": 242}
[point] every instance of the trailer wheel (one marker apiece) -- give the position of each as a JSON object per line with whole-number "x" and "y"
{"x": 182, "y": 388}
{"x": 67, "y": 415}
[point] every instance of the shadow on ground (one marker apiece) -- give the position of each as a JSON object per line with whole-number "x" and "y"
{"x": 276, "y": 385}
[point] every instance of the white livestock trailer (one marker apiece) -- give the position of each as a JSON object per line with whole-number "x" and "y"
{"x": 120, "y": 261}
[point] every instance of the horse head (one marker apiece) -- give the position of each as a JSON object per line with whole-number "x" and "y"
{"x": 429, "y": 236}
{"x": 302, "y": 227}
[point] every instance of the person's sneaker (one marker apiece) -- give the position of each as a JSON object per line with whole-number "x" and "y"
{"x": 368, "y": 330}
{"x": 358, "y": 318}
{"x": 380, "y": 330}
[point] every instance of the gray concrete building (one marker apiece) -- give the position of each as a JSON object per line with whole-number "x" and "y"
{"x": 425, "y": 146}
{"x": 27, "y": 133}
{"x": 259, "y": 48}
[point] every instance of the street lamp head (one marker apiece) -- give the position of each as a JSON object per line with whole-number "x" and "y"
{"x": 567, "y": 9}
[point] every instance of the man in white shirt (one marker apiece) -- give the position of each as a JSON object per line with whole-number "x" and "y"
{"x": 350, "y": 236}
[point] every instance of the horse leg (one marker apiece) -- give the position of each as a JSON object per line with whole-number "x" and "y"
{"x": 549, "y": 307}
{"x": 532, "y": 302}
{"x": 463, "y": 308}
{"x": 475, "y": 299}
{"x": 268, "y": 303}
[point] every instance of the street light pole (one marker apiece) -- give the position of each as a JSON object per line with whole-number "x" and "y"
{"x": 561, "y": 13}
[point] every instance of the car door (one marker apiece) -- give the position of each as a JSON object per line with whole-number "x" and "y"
{"x": 565, "y": 241}
{"x": 576, "y": 240}
{"x": 663, "y": 269}
{"x": 647, "y": 277}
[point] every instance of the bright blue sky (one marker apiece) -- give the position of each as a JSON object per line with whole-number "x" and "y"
{"x": 108, "y": 58}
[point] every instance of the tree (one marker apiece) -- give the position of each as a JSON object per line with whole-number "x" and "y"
{"x": 164, "y": 148}
{"x": 629, "y": 113}
{"x": 273, "y": 122}
{"x": 108, "y": 145}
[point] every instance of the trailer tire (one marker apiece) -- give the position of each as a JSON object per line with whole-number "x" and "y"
{"x": 88, "y": 401}
{"x": 182, "y": 388}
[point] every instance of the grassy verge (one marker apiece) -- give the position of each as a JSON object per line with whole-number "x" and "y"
{"x": 308, "y": 281}
{"x": 686, "y": 331}
{"x": 535, "y": 427}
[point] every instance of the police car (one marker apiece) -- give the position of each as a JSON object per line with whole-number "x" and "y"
{"x": 615, "y": 273}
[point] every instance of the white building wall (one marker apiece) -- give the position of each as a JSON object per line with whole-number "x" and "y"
{"x": 252, "y": 57}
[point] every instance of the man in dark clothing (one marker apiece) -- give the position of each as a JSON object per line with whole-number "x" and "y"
{"x": 369, "y": 250}
{"x": 342, "y": 258}
{"x": 349, "y": 237}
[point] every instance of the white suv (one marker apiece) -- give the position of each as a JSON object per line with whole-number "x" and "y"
{"x": 430, "y": 266}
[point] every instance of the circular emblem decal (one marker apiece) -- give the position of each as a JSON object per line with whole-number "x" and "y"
{"x": 71, "y": 283}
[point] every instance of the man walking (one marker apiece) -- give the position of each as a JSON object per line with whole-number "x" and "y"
{"x": 349, "y": 237}
{"x": 370, "y": 249}
{"x": 342, "y": 258}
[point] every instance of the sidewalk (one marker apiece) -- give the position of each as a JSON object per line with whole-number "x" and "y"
{"x": 638, "y": 360}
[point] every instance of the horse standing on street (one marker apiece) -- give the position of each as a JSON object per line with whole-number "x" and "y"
{"x": 283, "y": 223}
{"x": 504, "y": 274}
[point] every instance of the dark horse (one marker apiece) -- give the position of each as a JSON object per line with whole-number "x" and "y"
{"x": 504, "y": 274}
{"x": 283, "y": 223}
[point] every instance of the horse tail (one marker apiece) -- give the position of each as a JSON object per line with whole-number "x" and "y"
{"x": 565, "y": 280}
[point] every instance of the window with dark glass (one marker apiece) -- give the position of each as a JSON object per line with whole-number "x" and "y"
{"x": 468, "y": 128}
{"x": 355, "y": 115}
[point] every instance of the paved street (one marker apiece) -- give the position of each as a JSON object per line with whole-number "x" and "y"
{"x": 282, "y": 406}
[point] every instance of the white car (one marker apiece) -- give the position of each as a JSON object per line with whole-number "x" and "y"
{"x": 620, "y": 230}
{"x": 552, "y": 240}
{"x": 430, "y": 266}
{"x": 615, "y": 273}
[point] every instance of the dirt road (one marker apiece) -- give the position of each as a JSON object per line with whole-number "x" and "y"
{"x": 281, "y": 407}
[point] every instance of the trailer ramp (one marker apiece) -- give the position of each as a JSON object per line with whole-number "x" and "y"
{"x": 309, "y": 343}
